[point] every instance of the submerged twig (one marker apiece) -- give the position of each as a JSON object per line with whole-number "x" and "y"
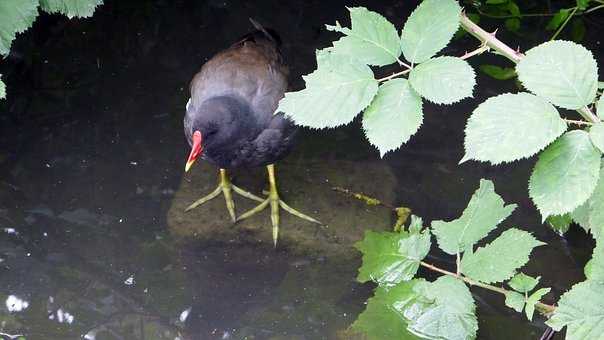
{"x": 402, "y": 213}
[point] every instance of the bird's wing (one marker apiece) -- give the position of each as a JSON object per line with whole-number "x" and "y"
{"x": 251, "y": 69}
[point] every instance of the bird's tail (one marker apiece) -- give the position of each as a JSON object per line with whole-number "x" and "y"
{"x": 267, "y": 32}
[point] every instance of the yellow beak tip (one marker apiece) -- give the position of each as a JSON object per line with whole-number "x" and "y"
{"x": 188, "y": 166}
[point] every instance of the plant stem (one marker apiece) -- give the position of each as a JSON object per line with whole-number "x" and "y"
{"x": 564, "y": 24}
{"x": 593, "y": 9}
{"x": 513, "y": 55}
{"x": 542, "y": 307}
{"x": 578, "y": 122}
{"x": 394, "y": 75}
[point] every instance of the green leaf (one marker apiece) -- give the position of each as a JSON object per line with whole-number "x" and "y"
{"x": 596, "y": 134}
{"x": 393, "y": 116}
{"x": 523, "y": 283}
{"x": 532, "y": 300}
{"x": 577, "y": 30}
{"x": 484, "y": 212}
{"x": 443, "y": 309}
{"x": 379, "y": 321}
{"x": 601, "y": 85}
{"x": 514, "y": 9}
{"x": 560, "y": 223}
{"x": 580, "y": 310}
{"x": 582, "y": 4}
{"x": 509, "y": 127}
{"x": 565, "y": 175}
{"x": 2, "y": 89}
{"x": 496, "y": 2}
{"x": 416, "y": 225}
{"x": 499, "y": 260}
{"x": 515, "y": 301}
{"x": 557, "y": 19}
{"x": 595, "y": 269}
{"x": 590, "y": 215}
{"x": 429, "y": 29}
{"x": 335, "y": 93}
{"x": 600, "y": 105}
{"x": 71, "y": 8}
{"x": 443, "y": 80}
{"x": 15, "y": 17}
{"x": 498, "y": 72}
{"x": 563, "y": 72}
{"x": 512, "y": 24}
{"x": 373, "y": 40}
{"x": 389, "y": 258}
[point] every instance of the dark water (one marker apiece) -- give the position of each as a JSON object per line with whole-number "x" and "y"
{"x": 95, "y": 243}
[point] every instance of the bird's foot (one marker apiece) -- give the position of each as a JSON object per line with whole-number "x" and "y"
{"x": 275, "y": 203}
{"x": 226, "y": 187}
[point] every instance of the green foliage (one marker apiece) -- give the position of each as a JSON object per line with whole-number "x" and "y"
{"x": 394, "y": 115}
{"x": 444, "y": 310}
{"x": 2, "y": 88}
{"x": 565, "y": 175}
{"x": 560, "y": 223}
{"x": 389, "y": 258}
{"x": 372, "y": 40}
{"x": 71, "y": 8}
{"x": 379, "y": 321}
{"x": 484, "y": 212}
{"x": 563, "y": 72}
{"x": 509, "y": 127}
{"x": 594, "y": 271}
{"x": 558, "y": 19}
{"x": 497, "y": 261}
{"x": 580, "y": 310}
{"x": 596, "y": 133}
{"x": 429, "y": 29}
{"x": 334, "y": 93}
{"x": 498, "y": 72}
{"x": 523, "y": 283}
{"x": 515, "y": 301}
{"x": 16, "y": 16}
{"x": 600, "y": 105}
{"x": 443, "y": 80}
{"x": 582, "y": 4}
{"x": 590, "y": 215}
{"x": 532, "y": 300}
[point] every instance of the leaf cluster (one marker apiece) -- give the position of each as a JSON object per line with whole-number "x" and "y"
{"x": 405, "y": 307}
{"x": 344, "y": 83}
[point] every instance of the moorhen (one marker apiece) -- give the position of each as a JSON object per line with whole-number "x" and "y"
{"x": 231, "y": 121}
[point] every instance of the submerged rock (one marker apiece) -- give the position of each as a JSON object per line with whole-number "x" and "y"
{"x": 305, "y": 187}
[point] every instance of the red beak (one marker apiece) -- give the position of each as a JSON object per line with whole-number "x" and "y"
{"x": 196, "y": 150}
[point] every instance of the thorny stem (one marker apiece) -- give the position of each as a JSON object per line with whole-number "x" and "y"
{"x": 540, "y": 306}
{"x": 515, "y": 56}
{"x": 483, "y": 48}
{"x": 578, "y": 122}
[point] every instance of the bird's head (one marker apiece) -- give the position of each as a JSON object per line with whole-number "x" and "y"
{"x": 215, "y": 124}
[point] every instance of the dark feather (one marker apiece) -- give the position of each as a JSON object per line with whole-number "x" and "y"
{"x": 233, "y": 100}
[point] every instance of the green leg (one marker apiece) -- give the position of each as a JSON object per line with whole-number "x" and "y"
{"x": 275, "y": 202}
{"x": 226, "y": 187}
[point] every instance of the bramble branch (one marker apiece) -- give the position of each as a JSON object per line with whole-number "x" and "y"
{"x": 515, "y": 56}
{"x": 544, "y": 308}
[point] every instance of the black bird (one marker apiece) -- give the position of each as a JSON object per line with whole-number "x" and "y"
{"x": 231, "y": 121}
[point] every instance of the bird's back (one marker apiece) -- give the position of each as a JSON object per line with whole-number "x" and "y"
{"x": 251, "y": 69}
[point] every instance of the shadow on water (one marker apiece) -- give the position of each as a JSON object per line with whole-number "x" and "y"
{"x": 95, "y": 242}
